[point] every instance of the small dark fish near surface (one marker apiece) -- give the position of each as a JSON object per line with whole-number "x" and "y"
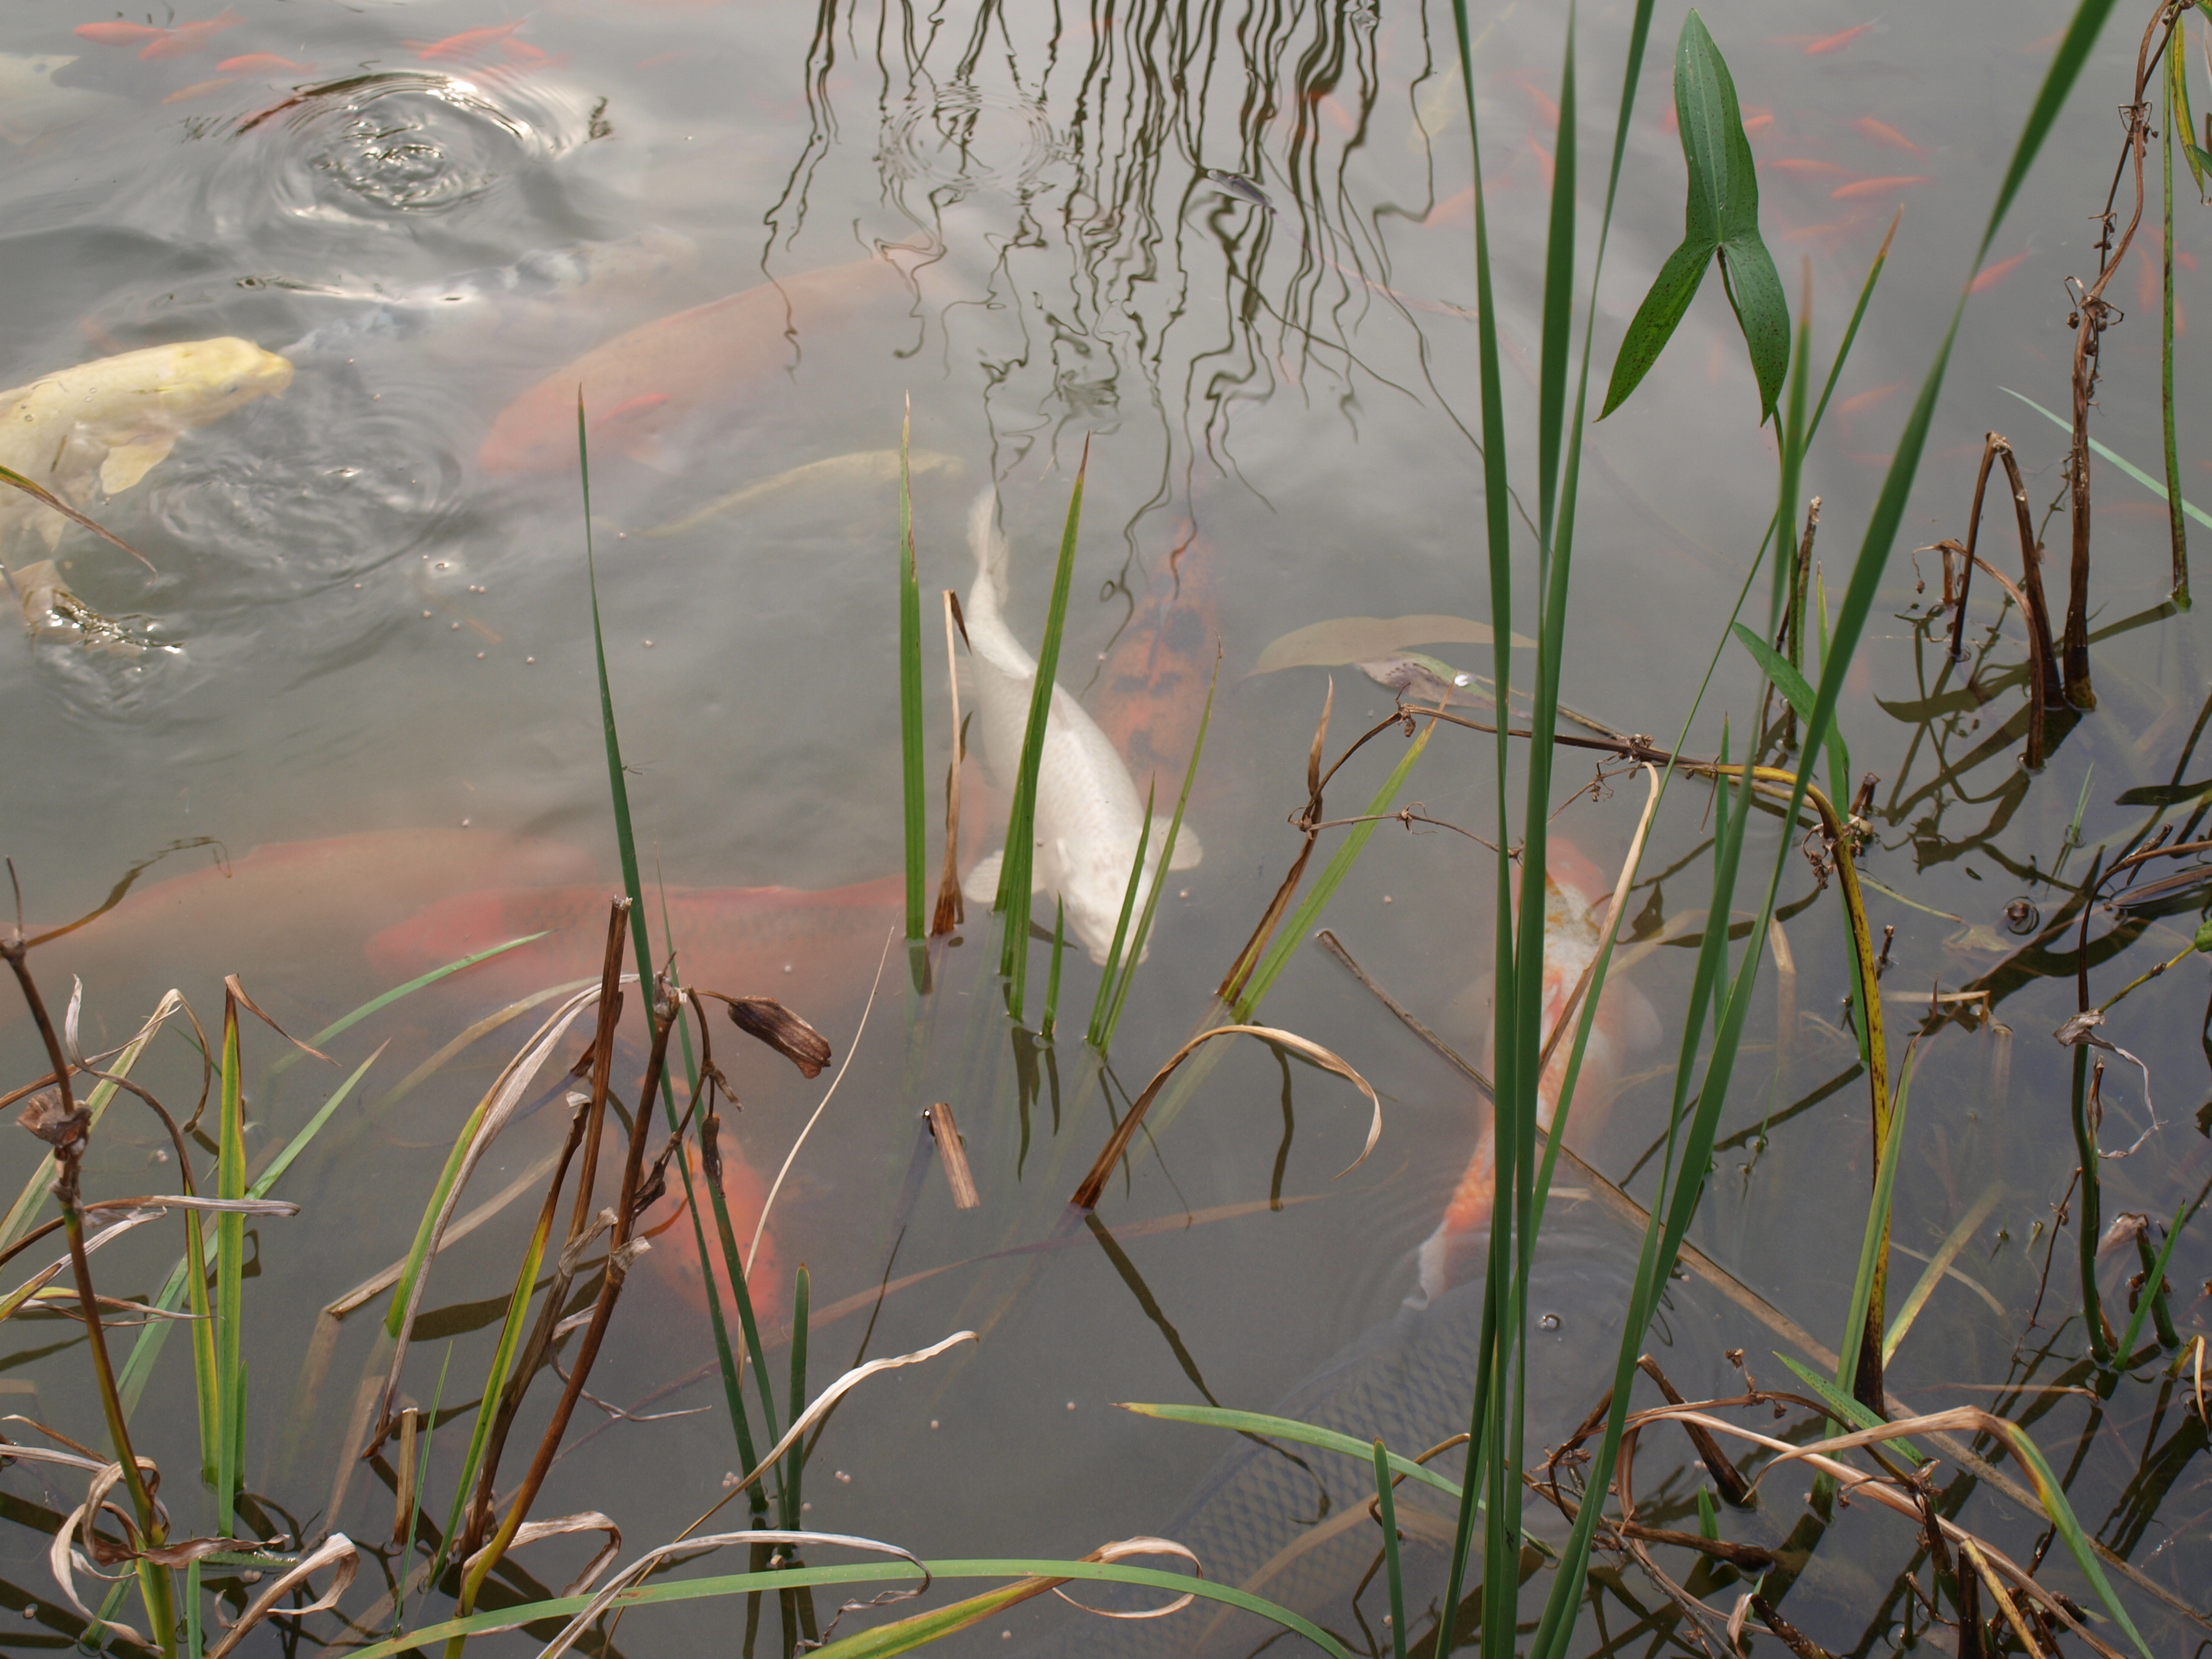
{"x": 548, "y": 278}
{"x": 1235, "y": 184}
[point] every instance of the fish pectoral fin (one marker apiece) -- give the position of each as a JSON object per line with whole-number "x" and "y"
{"x": 126, "y": 464}
{"x": 1188, "y": 852}
{"x": 1638, "y": 1022}
{"x": 980, "y": 885}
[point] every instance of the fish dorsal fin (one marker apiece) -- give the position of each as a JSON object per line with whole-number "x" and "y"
{"x": 126, "y": 464}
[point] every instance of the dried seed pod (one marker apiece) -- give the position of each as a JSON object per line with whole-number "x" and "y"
{"x": 772, "y": 1023}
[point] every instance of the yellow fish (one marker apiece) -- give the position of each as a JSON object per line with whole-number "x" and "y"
{"x": 107, "y": 425}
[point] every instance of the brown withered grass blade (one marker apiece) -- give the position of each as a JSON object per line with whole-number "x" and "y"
{"x": 950, "y": 1147}
{"x": 46, "y": 497}
{"x": 1232, "y": 982}
{"x": 1086, "y": 1194}
{"x": 230, "y": 984}
{"x": 951, "y": 910}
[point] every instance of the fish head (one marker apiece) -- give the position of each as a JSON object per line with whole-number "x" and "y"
{"x": 208, "y": 379}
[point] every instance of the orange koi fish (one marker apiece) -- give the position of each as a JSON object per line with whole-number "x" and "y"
{"x": 279, "y": 910}
{"x": 1152, "y": 692}
{"x": 1883, "y": 133}
{"x": 1836, "y": 42}
{"x": 262, "y": 63}
{"x": 666, "y": 371}
{"x": 1990, "y": 277}
{"x": 1810, "y": 167}
{"x": 675, "y": 1252}
{"x": 1852, "y": 193}
{"x": 814, "y": 952}
{"x": 188, "y": 38}
{"x": 1859, "y": 402}
{"x": 1575, "y": 894}
{"x": 467, "y": 43}
{"x": 118, "y": 34}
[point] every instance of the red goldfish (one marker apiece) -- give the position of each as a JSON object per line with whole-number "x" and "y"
{"x": 261, "y": 63}
{"x": 1153, "y": 688}
{"x": 1991, "y": 276}
{"x": 1574, "y": 898}
{"x": 1836, "y": 42}
{"x": 464, "y": 44}
{"x": 675, "y": 1252}
{"x": 282, "y": 910}
{"x": 1886, "y": 186}
{"x": 658, "y": 375}
{"x": 179, "y": 42}
{"x": 809, "y": 950}
{"x": 1883, "y": 133}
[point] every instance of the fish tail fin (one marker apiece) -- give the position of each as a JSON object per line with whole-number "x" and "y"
{"x": 985, "y": 540}
{"x": 1188, "y": 852}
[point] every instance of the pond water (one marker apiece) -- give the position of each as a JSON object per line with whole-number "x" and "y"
{"x": 1229, "y": 249}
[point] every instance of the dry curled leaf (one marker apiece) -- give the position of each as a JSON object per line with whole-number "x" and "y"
{"x": 44, "y": 1117}
{"x": 772, "y": 1023}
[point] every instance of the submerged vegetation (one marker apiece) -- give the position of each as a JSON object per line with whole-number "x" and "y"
{"x": 1484, "y": 1537}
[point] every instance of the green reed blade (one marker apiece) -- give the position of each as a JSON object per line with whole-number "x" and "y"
{"x": 1059, "y": 948}
{"x": 1866, "y": 1286}
{"x": 617, "y": 788}
{"x": 741, "y": 1293}
{"x": 2089, "y": 1223}
{"x": 2120, "y": 461}
{"x": 1096, "y": 1033}
{"x": 377, "y": 1005}
{"x": 1846, "y": 1407}
{"x": 1387, "y": 1507}
{"x": 752, "y": 1584}
{"x": 2177, "y": 69}
{"x": 2154, "y": 1284}
{"x": 1332, "y": 876}
{"x": 220, "y": 1410}
{"x": 795, "y": 1461}
{"x": 1015, "y": 868}
{"x": 910, "y": 730}
{"x": 1557, "y": 327}
{"x": 138, "y": 1368}
{"x": 1128, "y": 974}
{"x": 421, "y": 1486}
{"x": 1851, "y": 336}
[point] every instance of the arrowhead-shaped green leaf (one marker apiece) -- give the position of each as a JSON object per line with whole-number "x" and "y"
{"x": 1720, "y": 214}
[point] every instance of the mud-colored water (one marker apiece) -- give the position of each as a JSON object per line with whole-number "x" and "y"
{"x": 375, "y": 627}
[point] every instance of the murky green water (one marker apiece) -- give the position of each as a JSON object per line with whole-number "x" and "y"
{"x": 366, "y": 620}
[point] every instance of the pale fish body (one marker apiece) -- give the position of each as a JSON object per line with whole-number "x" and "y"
{"x": 859, "y": 469}
{"x": 1574, "y": 898}
{"x": 108, "y": 424}
{"x": 1089, "y": 815}
{"x": 32, "y": 106}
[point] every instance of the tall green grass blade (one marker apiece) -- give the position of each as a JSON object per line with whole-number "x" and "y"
{"x": 795, "y": 1461}
{"x": 229, "y": 1269}
{"x": 1059, "y": 949}
{"x": 617, "y": 787}
{"x": 2105, "y": 453}
{"x": 741, "y": 1293}
{"x": 1128, "y": 973}
{"x": 1387, "y": 1507}
{"x": 1857, "y": 1332}
{"x": 1851, "y": 336}
{"x": 1797, "y": 691}
{"x": 377, "y": 1005}
{"x": 910, "y": 731}
{"x": 1559, "y": 305}
{"x": 421, "y": 1486}
{"x": 1095, "y": 1033}
{"x": 40, "y": 1186}
{"x": 1332, "y": 876}
{"x": 752, "y": 1584}
{"x": 1289, "y": 1428}
{"x": 2154, "y": 1284}
{"x": 1015, "y": 869}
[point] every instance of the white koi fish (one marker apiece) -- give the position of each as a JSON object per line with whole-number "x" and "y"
{"x": 107, "y": 424}
{"x": 1089, "y": 815}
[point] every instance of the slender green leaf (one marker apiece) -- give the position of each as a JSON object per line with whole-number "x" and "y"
{"x": 1846, "y": 1407}
{"x": 229, "y": 1268}
{"x": 1387, "y": 1510}
{"x": 1059, "y": 949}
{"x": 910, "y": 730}
{"x": 1796, "y": 690}
{"x": 1096, "y": 1035}
{"x": 1875, "y": 1239}
{"x": 1654, "y": 324}
{"x": 1332, "y": 876}
{"x": 2154, "y": 1283}
{"x": 2115, "y": 457}
{"x": 2179, "y": 117}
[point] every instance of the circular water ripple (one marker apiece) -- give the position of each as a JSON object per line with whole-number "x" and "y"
{"x": 406, "y": 142}
{"x": 963, "y": 135}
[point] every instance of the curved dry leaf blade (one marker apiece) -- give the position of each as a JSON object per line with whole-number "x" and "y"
{"x": 46, "y": 497}
{"x": 337, "y": 1551}
{"x": 530, "y": 1532}
{"x": 1360, "y": 639}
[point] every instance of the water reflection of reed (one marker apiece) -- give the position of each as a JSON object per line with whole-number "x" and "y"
{"x": 1130, "y": 286}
